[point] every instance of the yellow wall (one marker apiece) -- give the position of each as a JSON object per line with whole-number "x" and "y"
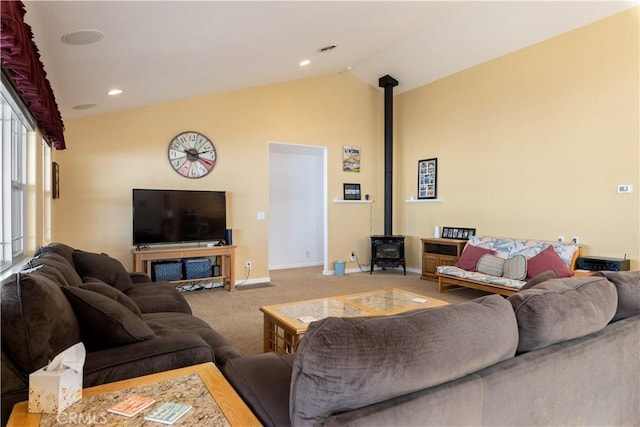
{"x": 532, "y": 144}
{"x": 110, "y": 154}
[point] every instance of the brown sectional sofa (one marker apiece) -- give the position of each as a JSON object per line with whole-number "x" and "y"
{"x": 565, "y": 352}
{"x": 129, "y": 325}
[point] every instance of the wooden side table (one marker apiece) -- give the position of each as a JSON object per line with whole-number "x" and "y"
{"x": 230, "y": 408}
{"x": 583, "y": 273}
{"x": 437, "y": 251}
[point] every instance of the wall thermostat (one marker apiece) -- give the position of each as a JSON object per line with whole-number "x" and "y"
{"x": 625, "y": 188}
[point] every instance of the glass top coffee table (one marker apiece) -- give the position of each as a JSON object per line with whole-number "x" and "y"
{"x": 285, "y": 324}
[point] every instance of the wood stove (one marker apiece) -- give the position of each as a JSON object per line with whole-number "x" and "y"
{"x": 387, "y": 251}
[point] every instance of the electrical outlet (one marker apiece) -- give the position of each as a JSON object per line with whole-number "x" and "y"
{"x": 575, "y": 240}
{"x": 352, "y": 257}
{"x": 561, "y": 238}
{"x": 247, "y": 265}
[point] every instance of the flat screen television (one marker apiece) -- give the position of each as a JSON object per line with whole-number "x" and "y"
{"x": 178, "y": 216}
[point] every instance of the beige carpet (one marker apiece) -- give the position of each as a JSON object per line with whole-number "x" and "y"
{"x": 236, "y": 315}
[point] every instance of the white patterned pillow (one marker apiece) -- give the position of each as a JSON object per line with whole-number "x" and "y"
{"x": 490, "y": 264}
{"x": 515, "y": 268}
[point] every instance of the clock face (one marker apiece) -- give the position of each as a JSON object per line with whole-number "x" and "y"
{"x": 192, "y": 154}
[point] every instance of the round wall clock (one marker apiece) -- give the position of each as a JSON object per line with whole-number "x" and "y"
{"x": 192, "y": 154}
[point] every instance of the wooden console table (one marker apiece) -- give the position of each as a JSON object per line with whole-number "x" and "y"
{"x": 142, "y": 259}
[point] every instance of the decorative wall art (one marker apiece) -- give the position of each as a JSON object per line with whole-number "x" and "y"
{"x": 351, "y": 191}
{"x": 428, "y": 178}
{"x": 350, "y": 158}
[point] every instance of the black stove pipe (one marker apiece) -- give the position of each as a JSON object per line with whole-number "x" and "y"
{"x": 388, "y": 83}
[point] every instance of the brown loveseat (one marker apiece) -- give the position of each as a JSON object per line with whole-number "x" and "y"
{"x": 129, "y": 325}
{"x": 562, "y": 353}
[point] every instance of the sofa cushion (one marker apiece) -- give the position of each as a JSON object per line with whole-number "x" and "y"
{"x": 61, "y": 249}
{"x": 542, "y": 277}
{"x": 34, "y": 311}
{"x": 104, "y": 322}
{"x": 346, "y": 363}
{"x": 263, "y": 380}
{"x": 562, "y": 309}
{"x": 154, "y": 297}
{"x": 470, "y": 256}
{"x": 490, "y": 264}
{"x": 108, "y": 291}
{"x": 62, "y": 266}
{"x": 627, "y": 284}
{"x": 546, "y": 260}
{"x": 173, "y": 323}
{"x": 103, "y": 267}
{"x": 515, "y": 268}
{"x": 49, "y": 271}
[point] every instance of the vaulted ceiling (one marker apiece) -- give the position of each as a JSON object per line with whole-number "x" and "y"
{"x": 159, "y": 51}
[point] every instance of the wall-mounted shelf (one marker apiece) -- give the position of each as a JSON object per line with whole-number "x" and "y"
{"x": 423, "y": 201}
{"x": 336, "y": 200}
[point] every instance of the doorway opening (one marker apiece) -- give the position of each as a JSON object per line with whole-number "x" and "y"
{"x": 297, "y": 206}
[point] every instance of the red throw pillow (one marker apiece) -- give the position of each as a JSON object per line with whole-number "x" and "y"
{"x": 546, "y": 260}
{"x": 470, "y": 256}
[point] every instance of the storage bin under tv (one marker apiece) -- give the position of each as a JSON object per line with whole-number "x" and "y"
{"x": 143, "y": 259}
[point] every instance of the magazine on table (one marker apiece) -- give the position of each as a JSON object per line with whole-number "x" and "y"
{"x": 167, "y": 412}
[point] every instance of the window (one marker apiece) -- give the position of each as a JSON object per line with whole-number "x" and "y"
{"x": 16, "y": 122}
{"x": 46, "y": 191}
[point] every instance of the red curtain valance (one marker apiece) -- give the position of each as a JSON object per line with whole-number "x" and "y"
{"x": 21, "y": 63}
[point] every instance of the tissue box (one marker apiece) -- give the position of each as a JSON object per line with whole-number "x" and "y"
{"x": 53, "y": 392}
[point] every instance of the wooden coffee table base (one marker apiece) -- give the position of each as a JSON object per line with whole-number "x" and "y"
{"x": 284, "y": 326}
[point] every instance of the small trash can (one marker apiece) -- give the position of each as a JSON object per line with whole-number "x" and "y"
{"x": 339, "y": 267}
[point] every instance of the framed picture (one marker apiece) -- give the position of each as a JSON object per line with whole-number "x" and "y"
{"x": 351, "y": 158}
{"x": 351, "y": 191}
{"x": 428, "y": 179}
{"x": 55, "y": 180}
{"x": 458, "y": 233}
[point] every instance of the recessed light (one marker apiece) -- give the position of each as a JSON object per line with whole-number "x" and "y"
{"x": 83, "y": 106}
{"x": 304, "y": 63}
{"x": 114, "y": 92}
{"x": 82, "y": 37}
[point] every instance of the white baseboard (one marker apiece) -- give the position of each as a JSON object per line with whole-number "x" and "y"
{"x": 239, "y": 283}
{"x": 365, "y": 269}
{"x": 287, "y": 266}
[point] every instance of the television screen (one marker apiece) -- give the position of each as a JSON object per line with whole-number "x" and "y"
{"x": 178, "y": 216}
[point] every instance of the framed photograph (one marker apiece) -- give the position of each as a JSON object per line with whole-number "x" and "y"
{"x": 351, "y": 191}
{"x": 428, "y": 179}
{"x": 350, "y": 158}
{"x": 55, "y": 180}
{"x": 458, "y": 233}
